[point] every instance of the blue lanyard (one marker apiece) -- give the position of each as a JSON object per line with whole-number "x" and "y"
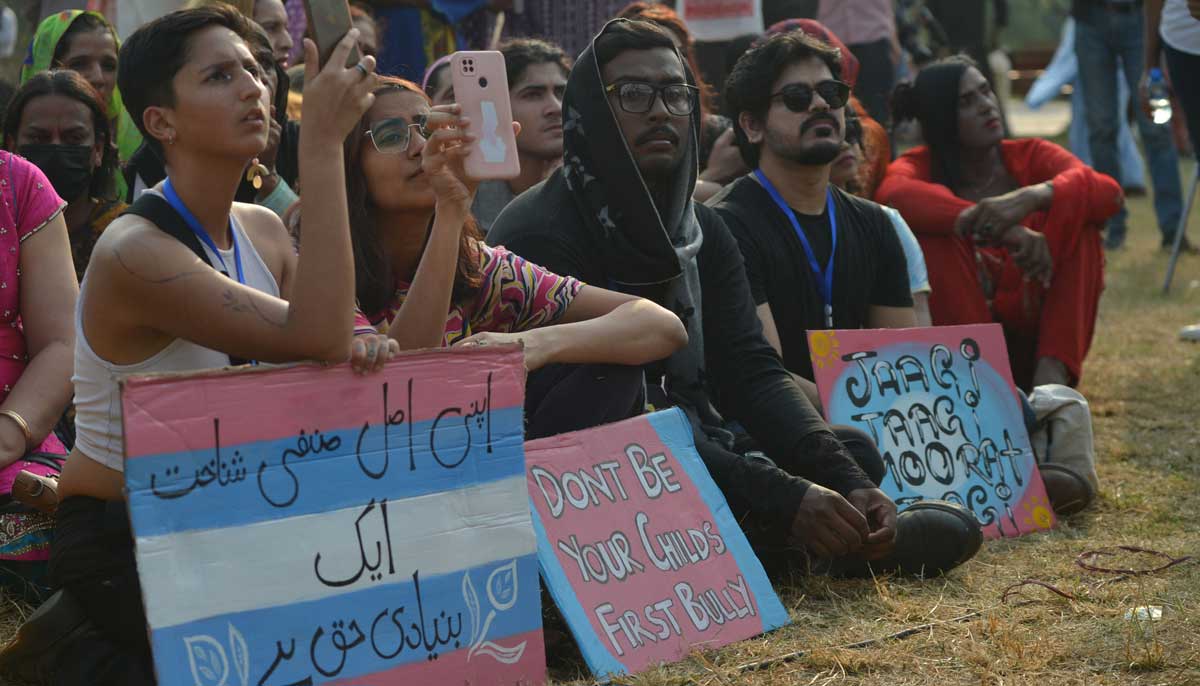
{"x": 824, "y": 277}
{"x": 194, "y": 224}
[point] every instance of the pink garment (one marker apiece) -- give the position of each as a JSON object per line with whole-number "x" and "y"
{"x": 27, "y": 203}
{"x": 858, "y": 21}
{"x": 514, "y": 295}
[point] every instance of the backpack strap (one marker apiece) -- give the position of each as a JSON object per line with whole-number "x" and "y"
{"x": 155, "y": 209}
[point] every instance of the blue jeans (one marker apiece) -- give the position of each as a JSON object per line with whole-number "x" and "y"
{"x": 1105, "y": 41}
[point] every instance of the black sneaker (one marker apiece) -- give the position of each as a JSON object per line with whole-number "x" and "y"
{"x": 932, "y": 537}
{"x": 1067, "y": 490}
{"x": 34, "y": 651}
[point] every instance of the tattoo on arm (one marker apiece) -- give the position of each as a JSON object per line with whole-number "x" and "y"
{"x": 155, "y": 279}
{"x": 241, "y": 303}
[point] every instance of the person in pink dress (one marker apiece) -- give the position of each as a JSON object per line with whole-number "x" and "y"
{"x": 38, "y": 291}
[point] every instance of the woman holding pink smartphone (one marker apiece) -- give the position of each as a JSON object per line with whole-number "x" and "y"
{"x": 425, "y": 275}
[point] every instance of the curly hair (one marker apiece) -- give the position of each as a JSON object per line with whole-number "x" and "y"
{"x": 748, "y": 88}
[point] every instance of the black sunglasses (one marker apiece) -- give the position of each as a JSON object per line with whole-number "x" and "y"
{"x": 797, "y": 97}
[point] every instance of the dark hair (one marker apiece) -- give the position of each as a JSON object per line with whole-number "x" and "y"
{"x": 374, "y": 282}
{"x": 620, "y": 35}
{"x": 522, "y": 53}
{"x": 84, "y": 23}
{"x": 666, "y": 17}
{"x": 435, "y": 77}
{"x": 155, "y": 53}
{"x": 748, "y": 88}
{"x": 264, "y": 53}
{"x": 69, "y": 84}
{"x": 933, "y": 101}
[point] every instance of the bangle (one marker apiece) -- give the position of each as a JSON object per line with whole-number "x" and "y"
{"x": 22, "y": 424}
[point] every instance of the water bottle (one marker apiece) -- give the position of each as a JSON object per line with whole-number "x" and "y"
{"x": 1160, "y": 97}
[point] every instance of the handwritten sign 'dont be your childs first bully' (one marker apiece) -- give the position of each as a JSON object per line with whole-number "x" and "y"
{"x": 311, "y": 526}
{"x": 941, "y": 405}
{"x": 638, "y": 546}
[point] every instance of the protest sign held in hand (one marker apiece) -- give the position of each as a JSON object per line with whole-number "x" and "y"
{"x": 942, "y": 408}
{"x": 307, "y": 525}
{"x": 638, "y": 547}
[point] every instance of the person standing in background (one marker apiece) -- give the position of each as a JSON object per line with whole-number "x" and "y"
{"x": 868, "y": 27}
{"x": 1173, "y": 31}
{"x": 1108, "y": 37}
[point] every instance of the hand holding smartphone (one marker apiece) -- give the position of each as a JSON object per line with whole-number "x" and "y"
{"x": 481, "y": 90}
{"x": 329, "y": 21}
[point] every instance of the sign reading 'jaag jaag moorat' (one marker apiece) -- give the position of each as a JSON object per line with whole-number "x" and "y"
{"x": 638, "y": 546}
{"x": 312, "y": 526}
{"x": 942, "y": 408}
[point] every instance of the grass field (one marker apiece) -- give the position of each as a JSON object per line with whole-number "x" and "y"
{"x": 1141, "y": 382}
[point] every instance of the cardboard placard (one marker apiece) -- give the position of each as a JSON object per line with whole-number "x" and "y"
{"x": 638, "y": 547}
{"x": 941, "y": 405}
{"x": 719, "y": 20}
{"x": 308, "y": 525}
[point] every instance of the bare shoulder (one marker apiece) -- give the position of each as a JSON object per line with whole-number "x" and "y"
{"x": 263, "y": 226}
{"x": 132, "y": 246}
{"x": 267, "y": 232}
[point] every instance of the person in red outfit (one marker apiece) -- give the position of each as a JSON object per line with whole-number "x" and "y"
{"x": 1011, "y": 229}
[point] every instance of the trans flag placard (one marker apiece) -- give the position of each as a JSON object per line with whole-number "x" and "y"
{"x": 312, "y": 526}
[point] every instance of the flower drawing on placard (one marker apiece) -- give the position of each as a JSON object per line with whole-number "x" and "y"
{"x": 824, "y": 345}
{"x": 501, "y": 591}
{"x": 209, "y": 661}
{"x": 1037, "y": 512}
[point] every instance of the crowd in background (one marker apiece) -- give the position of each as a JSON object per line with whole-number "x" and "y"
{"x": 685, "y": 213}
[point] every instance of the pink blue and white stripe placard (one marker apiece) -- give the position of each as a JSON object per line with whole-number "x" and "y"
{"x": 311, "y": 526}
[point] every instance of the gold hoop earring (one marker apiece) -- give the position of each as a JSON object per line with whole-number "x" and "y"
{"x": 255, "y": 174}
{"x": 171, "y": 138}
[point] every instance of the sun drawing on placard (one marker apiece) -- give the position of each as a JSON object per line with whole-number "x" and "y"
{"x": 823, "y": 345}
{"x": 1037, "y": 511}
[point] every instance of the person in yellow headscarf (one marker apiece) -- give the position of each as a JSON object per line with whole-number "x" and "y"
{"x": 87, "y": 43}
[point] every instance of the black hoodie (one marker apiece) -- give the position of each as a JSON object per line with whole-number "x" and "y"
{"x": 595, "y": 219}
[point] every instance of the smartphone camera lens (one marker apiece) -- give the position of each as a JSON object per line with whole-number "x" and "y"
{"x": 483, "y": 82}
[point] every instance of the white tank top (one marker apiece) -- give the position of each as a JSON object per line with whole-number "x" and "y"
{"x": 98, "y": 432}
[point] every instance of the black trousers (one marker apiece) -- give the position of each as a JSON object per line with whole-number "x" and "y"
{"x": 561, "y": 398}
{"x": 770, "y": 539}
{"x": 92, "y": 559}
{"x": 876, "y": 77}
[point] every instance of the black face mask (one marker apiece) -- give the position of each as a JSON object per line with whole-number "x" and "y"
{"x": 68, "y": 167}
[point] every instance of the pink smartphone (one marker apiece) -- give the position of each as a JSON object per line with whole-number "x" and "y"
{"x": 481, "y": 89}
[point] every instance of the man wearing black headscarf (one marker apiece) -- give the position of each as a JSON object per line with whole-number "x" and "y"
{"x": 619, "y": 214}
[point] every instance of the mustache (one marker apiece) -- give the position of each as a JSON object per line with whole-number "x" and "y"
{"x": 658, "y": 132}
{"x": 818, "y": 120}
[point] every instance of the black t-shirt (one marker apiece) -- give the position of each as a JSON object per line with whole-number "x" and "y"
{"x": 869, "y": 267}
{"x": 745, "y": 376}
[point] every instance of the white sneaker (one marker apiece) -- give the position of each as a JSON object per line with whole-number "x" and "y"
{"x": 1190, "y": 334}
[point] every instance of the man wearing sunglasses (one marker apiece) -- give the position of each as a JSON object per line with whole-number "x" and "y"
{"x": 816, "y": 257}
{"x": 619, "y": 213}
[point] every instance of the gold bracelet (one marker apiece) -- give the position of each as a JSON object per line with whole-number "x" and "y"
{"x": 22, "y": 424}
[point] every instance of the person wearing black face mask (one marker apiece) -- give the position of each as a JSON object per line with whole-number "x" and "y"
{"x": 57, "y": 122}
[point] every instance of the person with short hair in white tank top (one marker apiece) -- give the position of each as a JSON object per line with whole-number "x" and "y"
{"x": 149, "y": 303}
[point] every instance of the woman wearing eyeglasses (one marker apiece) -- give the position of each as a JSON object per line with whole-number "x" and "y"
{"x": 424, "y": 274}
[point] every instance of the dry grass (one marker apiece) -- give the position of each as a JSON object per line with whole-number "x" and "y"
{"x": 1141, "y": 382}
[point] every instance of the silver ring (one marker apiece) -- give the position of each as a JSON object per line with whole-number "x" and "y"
{"x": 363, "y": 69}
